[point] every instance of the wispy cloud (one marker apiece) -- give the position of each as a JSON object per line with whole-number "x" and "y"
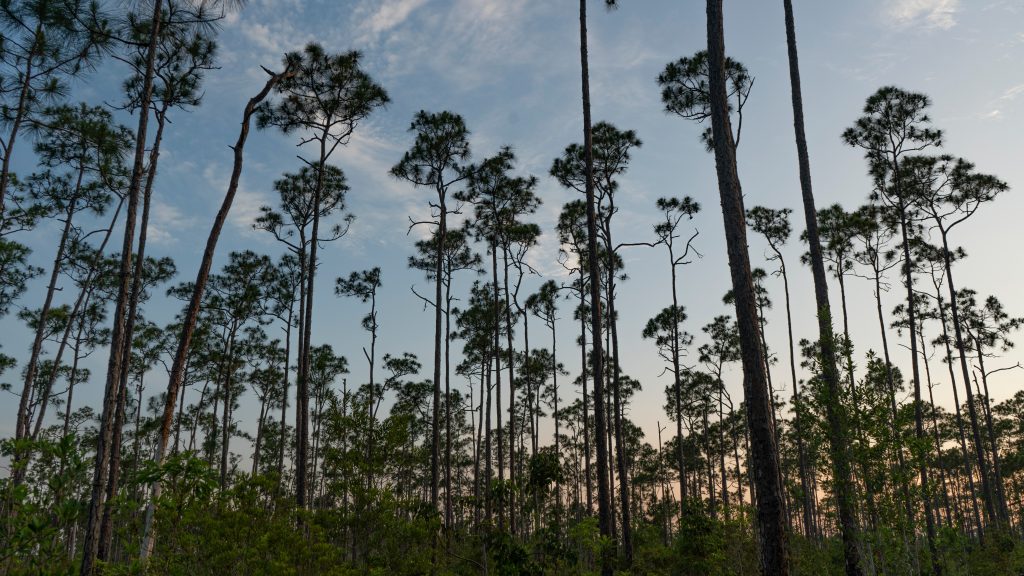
{"x": 385, "y": 16}
{"x": 1012, "y": 93}
{"x": 246, "y": 206}
{"x": 167, "y": 223}
{"x": 932, "y": 14}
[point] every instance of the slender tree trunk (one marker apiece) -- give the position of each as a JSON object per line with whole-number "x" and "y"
{"x": 226, "y": 418}
{"x": 497, "y": 382}
{"x": 609, "y": 431}
{"x": 722, "y": 449}
{"x": 810, "y": 528}
{"x": 826, "y": 342}
{"x": 259, "y": 437}
{"x": 709, "y": 458}
{"x": 603, "y": 505}
{"x": 192, "y": 312}
{"x": 620, "y": 445}
{"x": 24, "y": 416}
{"x": 284, "y": 397}
{"x": 442, "y": 232}
{"x": 677, "y": 382}
{"x": 488, "y": 460}
{"x": 935, "y": 429}
{"x": 968, "y": 472}
{"x": 114, "y": 365}
{"x": 997, "y": 474}
{"x": 302, "y": 477}
{"x": 586, "y": 397}
{"x": 73, "y": 379}
{"x": 988, "y": 494}
{"x": 558, "y": 430}
{"x": 106, "y": 528}
{"x": 19, "y": 117}
{"x": 858, "y": 433}
{"x": 897, "y": 437}
{"x": 447, "y": 405}
{"x": 84, "y": 295}
{"x": 511, "y": 396}
{"x": 918, "y": 403}
{"x": 774, "y": 553}
{"x": 478, "y": 449}
{"x": 181, "y": 415}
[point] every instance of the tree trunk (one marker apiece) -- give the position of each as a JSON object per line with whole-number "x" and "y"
{"x": 442, "y": 232}
{"x": 192, "y": 312}
{"x": 114, "y": 366}
{"x": 897, "y": 437}
{"x": 84, "y": 295}
{"x": 586, "y": 404}
{"x": 106, "y": 528}
{"x": 962, "y": 435}
{"x": 511, "y": 396}
{"x": 225, "y": 428}
{"x": 24, "y": 417}
{"x": 447, "y": 404}
{"x": 603, "y": 506}
{"x": 771, "y": 516}
{"x": 259, "y": 437}
{"x": 918, "y": 403}
{"x": 810, "y": 527}
{"x": 677, "y": 382}
{"x": 497, "y": 382}
{"x": 19, "y": 117}
{"x": 834, "y": 413}
{"x": 620, "y": 445}
{"x": 284, "y": 397}
{"x": 997, "y": 479}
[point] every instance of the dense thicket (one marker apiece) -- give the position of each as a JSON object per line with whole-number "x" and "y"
{"x": 492, "y": 456}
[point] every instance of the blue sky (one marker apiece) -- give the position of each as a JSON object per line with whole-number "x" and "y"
{"x": 511, "y": 68}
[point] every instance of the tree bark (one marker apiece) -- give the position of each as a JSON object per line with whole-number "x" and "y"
{"x": 918, "y": 403}
{"x": 23, "y": 424}
{"x": 774, "y": 555}
{"x": 988, "y": 494}
{"x": 192, "y": 312}
{"x": 826, "y": 342}
{"x": 19, "y": 117}
{"x": 604, "y": 508}
{"x": 114, "y": 366}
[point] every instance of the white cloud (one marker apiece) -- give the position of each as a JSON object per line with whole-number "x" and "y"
{"x": 387, "y": 16}
{"x": 932, "y": 14}
{"x": 1012, "y": 93}
{"x": 246, "y": 206}
{"x": 166, "y": 223}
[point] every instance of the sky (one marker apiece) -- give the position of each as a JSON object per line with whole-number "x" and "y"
{"x": 511, "y": 68}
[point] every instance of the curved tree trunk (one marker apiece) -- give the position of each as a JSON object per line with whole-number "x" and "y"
{"x": 192, "y": 312}
{"x": 24, "y": 409}
{"x": 84, "y": 295}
